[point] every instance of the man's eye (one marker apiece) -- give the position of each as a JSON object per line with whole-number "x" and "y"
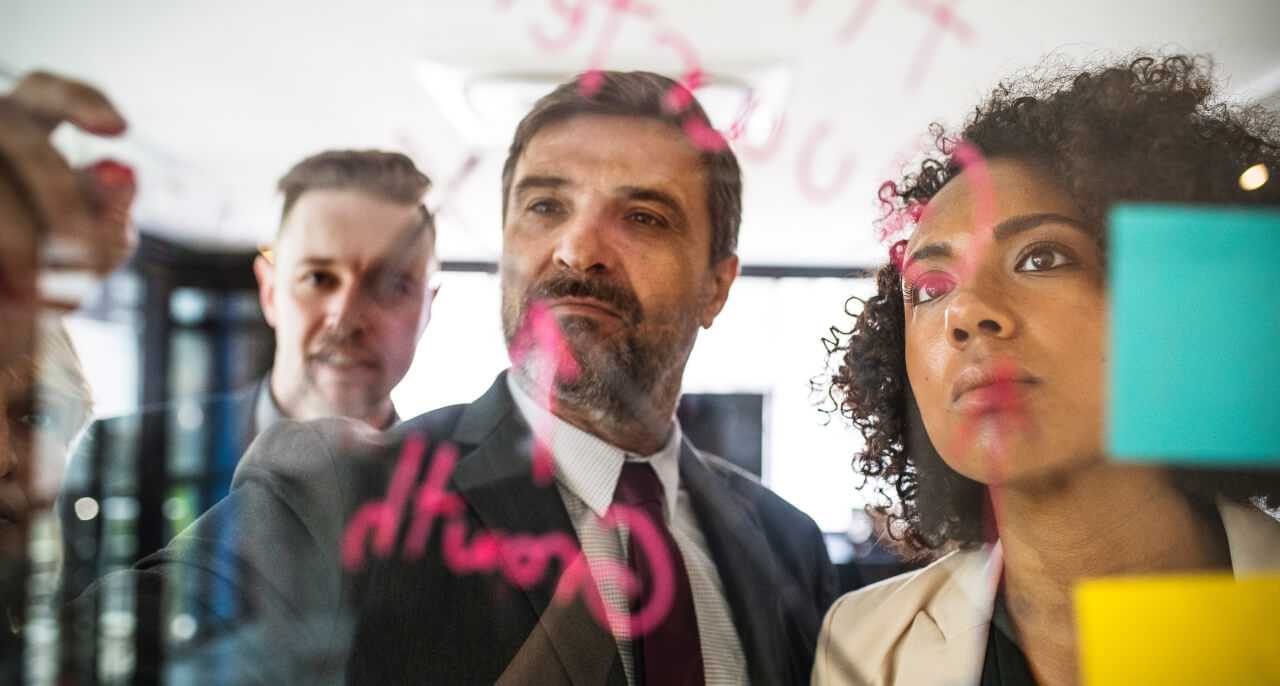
{"x": 1043, "y": 258}
{"x": 544, "y": 207}
{"x": 37, "y": 420}
{"x": 647, "y": 218}
{"x": 930, "y": 287}
{"x": 397, "y": 287}
{"x": 318, "y": 279}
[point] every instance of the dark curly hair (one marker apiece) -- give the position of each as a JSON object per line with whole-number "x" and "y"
{"x": 1147, "y": 129}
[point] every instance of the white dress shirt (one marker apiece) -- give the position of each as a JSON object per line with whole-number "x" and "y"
{"x": 586, "y": 472}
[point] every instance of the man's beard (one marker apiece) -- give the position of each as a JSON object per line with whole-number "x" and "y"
{"x": 623, "y": 375}
{"x": 348, "y": 400}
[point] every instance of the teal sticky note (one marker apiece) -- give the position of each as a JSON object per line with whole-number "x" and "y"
{"x": 1194, "y": 366}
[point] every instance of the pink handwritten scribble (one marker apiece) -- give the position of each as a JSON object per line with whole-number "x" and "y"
{"x": 804, "y": 168}
{"x": 574, "y": 20}
{"x": 383, "y": 518}
{"x": 898, "y": 255}
{"x": 1003, "y": 403}
{"x": 742, "y": 119}
{"x": 593, "y": 79}
{"x": 857, "y": 21}
{"x": 945, "y": 20}
{"x": 522, "y": 559}
{"x": 897, "y": 221}
{"x": 1004, "y": 410}
{"x": 540, "y": 345}
{"x": 703, "y": 137}
{"x": 691, "y": 78}
{"x": 452, "y": 186}
{"x": 1010, "y": 411}
{"x": 737, "y": 132}
{"x": 975, "y": 167}
{"x": 1007, "y": 416}
{"x": 574, "y": 17}
{"x": 680, "y": 96}
{"x": 676, "y": 100}
{"x": 432, "y": 501}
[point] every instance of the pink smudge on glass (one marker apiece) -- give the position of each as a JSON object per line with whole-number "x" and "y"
{"x": 540, "y": 342}
{"x": 944, "y": 19}
{"x": 974, "y": 165}
{"x": 678, "y": 98}
{"x": 704, "y": 137}
{"x": 593, "y": 78}
{"x": 804, "y": 167}
{"x": 854, "y": 25}
{"x": 573, "y": 16}
{"x": 764, "y": 151}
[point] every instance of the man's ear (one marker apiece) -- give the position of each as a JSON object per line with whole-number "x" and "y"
{"x": 723, "y": 274}
{"x": 432, "y": 293}
{"x": 265, "y": 272}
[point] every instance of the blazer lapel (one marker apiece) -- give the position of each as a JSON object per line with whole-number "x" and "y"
{"x": 949, "y": 634}
{"x": 744, "y": 562}
{"x": 1253, "y": 537}
{"x": 495, "y": 479}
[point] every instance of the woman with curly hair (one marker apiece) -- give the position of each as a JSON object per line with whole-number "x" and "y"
{"x": 976, "y": 374}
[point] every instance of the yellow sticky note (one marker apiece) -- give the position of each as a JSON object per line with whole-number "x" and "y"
{"x": 1168, "y": 630}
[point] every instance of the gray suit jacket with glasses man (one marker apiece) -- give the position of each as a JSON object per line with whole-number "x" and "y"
{"x": 275, "y": 548}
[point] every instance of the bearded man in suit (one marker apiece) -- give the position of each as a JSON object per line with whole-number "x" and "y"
{"x": 559, "y": 529}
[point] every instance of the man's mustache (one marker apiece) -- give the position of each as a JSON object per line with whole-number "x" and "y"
{"x": 616, "y": 296}
{"x": 345, "y": 346}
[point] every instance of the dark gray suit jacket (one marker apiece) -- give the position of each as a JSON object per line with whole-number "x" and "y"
{"x": 274, "y": 546}
{"x": 133, "y": 454}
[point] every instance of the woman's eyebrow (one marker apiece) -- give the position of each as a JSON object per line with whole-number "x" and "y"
{"x": 1024, "y": 222}
{"x": 1005, "y": 229}
{"x": 924, "y": 252}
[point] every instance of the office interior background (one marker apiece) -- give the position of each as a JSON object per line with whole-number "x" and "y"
{"x": 826, "y": 99}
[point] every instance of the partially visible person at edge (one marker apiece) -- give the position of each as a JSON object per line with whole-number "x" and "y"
{"x": 347, "y": 287}
{"x": 53, "y": 219}
{"x": 976, "y": 377}
{"x": 619, "y": 242}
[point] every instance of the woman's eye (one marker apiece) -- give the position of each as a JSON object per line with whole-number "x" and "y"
{"x": 930, "y": 287}
{"x": 1043, "y": 259}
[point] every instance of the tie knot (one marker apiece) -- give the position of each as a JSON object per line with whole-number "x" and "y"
{"x": 638, "y": 486}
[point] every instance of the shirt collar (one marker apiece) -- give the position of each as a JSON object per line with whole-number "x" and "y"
{"x": 266, "y": 411}
{"x": 588, "y": 466}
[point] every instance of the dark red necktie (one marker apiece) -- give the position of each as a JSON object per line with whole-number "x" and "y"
{"x": 671, "y": 652}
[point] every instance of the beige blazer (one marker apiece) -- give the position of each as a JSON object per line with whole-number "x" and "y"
{"x": 929, "y": 627}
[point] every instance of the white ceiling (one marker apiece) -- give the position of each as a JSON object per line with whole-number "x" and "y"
{"x": 223, "y": 97}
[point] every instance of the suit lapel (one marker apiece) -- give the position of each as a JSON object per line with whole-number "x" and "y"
{"x": 246, "y": 405}
{"x": 495, "y": 479}
{"x": 745, "y": 564}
